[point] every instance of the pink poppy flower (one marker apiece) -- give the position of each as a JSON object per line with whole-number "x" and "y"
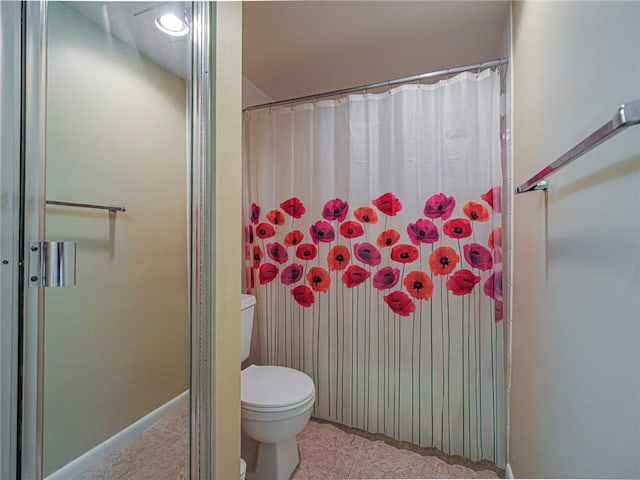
{"x": 493, "y": 286}
{"x": 255, "y": 213}
{"x": 439, "y": 206}
{"x": 335, "y": 209}
{"x": 423, "y": 231}
{"x": 478, "y": 256}
{"x": 367, "y": 253}
{"x": 277, "y": 252}
{"x": 291, "y": 274}
{"x": 386, "y": 277}
{"x": 322, "y": 232}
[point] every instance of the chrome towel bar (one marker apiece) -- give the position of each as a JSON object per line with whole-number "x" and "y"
{"x": 627, "y": 115}
{"x": 111, "y": 208}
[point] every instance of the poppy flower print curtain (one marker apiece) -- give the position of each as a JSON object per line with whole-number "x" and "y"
{"x": 373, "y": 246}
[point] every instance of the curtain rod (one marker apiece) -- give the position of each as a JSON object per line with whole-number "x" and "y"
{"x": 388, "y": 83}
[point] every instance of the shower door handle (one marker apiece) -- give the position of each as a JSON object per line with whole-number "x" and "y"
{"x": 52, "y": 264}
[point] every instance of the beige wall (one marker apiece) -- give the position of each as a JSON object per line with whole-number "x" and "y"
{"x": 117, "y": 344}
{"x": 227, "y": 239}
{"x": 575, "y": 398}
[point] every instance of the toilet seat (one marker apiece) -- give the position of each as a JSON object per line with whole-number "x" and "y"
{"x": 275, "y": 389}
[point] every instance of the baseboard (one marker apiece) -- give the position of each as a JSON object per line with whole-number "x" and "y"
{"x": 508, "y": 473}
{"x": 119, "y": 440}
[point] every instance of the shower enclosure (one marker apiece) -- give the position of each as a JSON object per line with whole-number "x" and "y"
{"x": 104, "y": 230}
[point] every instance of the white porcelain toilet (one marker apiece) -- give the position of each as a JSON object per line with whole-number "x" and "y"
{"x": 276, "y": 406}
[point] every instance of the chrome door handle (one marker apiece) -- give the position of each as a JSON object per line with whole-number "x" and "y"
{"x": 52, "y": 264}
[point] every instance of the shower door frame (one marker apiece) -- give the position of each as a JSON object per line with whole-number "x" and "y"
{"x": 31, "y": 41}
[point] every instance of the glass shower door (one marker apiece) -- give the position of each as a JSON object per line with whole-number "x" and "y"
{"x": 116, "y": 344}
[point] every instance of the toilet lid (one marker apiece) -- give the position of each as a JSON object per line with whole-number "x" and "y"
{"x": 273, "y": 387}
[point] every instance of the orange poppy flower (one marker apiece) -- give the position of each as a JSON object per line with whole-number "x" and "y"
{"x": 443, "y": 260}
{"x": 388, "y": 238}
{"x": 319, "y": 279}
{"x": 495, "y": 238}
{"x": 419, "y": 285}
{"x": 294, "y": 237}
{"x": 476, "y": 211}
{"x": 366, "y": 215}
{"x": 275, "y": 216}
{"x": 338, "y": 257}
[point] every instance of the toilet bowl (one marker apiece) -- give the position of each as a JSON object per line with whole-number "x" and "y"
{"x": 276, "y": 404}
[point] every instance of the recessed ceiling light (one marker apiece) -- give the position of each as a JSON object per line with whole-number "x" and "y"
{"x": 172, "y": 25}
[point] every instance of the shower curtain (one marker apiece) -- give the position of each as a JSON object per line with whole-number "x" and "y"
{"x": 373, "y": 245}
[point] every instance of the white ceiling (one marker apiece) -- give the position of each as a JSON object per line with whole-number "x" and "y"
{"x": 304, "y": 47}
{"x": 299, "y": 48}
{"x": 134, "y": 24}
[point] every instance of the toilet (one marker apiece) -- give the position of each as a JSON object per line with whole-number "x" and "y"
{"x": 276, "y": 405}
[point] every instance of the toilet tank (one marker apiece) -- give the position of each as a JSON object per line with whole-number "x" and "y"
{"x": 247, "y": 304}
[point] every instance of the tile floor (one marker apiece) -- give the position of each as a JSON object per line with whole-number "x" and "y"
{"x": 330, "y": 452}
{"x": 327, "y": 452}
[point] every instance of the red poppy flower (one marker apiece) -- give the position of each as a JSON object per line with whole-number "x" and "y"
{"x": 388, "y": 204}
{"x": 306, "y": 251}
{"x": 495, "y": 238}
{"x": 257, "y": 256}
{"x": 478, "y": 256}
{"x": 366, "y": 215}
{"x": 443, "y": 260}
{"x": 338, "y": 257}
{"x": 248, "y": 234}
{"x": 291, "y": 274}
{"x": 476, "y": 211}
{"x": 457, "y": 228}
{"x": 268, "y": 271}
{"x": 335, "y": 209}
{"x": 497, "y": 311}
{"x": 419, "y": 285}
{"x": 319, "y": 279}
{"x": 277, "y": 252}
{"x": 400, "y": 303}
{"x": 293, "y": 238}
{"x": 386, "y": 277}
{"x": 493, "y": 197}
{"x": 249, "y": 281}
{"x": 439, "y": 206}
{"x": 423, "y": 231}
{"x": 351, "y": 229}
{"x": 293, "y": 207}
{"x": 275, "y": 216}
{"x": 303, "y": 295}
{"x": 404, "y": 253}
{"x": 322, "y": 232}
{"x": 462, "y": 282}
{"x": 354, "y": 276}
{"x": 367, "y": 253}
{"x": 493, "y": 285}
{"x": 264, "y": 230}
{"x": 388, "y": 238}
{"x": 497, "y": 256}
{"x": 255, "y": 213}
